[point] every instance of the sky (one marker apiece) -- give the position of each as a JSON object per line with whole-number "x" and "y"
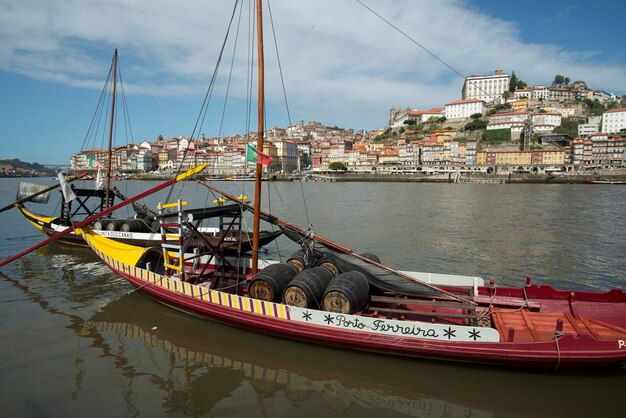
{"x": 341, "y": 64}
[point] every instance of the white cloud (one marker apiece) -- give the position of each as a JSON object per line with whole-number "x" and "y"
{"x": 341, "y": 63}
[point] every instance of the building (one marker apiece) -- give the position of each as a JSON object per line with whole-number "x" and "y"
{"x": 287, "y": 154}
{"x": 542, "y": 122}
{"x": 549, "y": 93}
{"x": 463, "y": 109}
{"x": 488, "y": 88}
{"x": 517, "y": 158}
{"x": 591, "y": 127}
{"x": 614, "y": 120}
{"x": 398, "y": 117}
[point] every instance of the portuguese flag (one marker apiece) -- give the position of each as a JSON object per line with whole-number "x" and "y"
{"x": 254, "y": 156}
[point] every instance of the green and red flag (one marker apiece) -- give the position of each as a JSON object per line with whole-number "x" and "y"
{"x": 254, "y": 156}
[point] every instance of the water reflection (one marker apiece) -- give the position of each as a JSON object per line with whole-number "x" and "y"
{"x": 201, "y": 367}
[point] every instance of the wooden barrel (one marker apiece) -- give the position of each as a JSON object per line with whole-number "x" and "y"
{"x": 347, "y": 293}
{"x": 99, "y": 225}
{"x": 371, "y": 256}
{"x": 270, "y": 282}
{"x": 330, "y": 266}
{"x": 307, "y": 288}
{"x": 297, "y": 260}
{"x": 113, "y": 225}
{"x": 134, "y": 225}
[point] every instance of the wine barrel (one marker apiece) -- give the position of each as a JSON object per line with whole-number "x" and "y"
{"x": 113, "y": 225}
{"x": 270, "y": 282}
{"x": 297, "y": 260}
{"x": 134, "y": 225}
{"x": 307, "y": 288}
{"x": 347, "y": 293}
{"x": 98, "y": 225}
{"x": 330, "y": 266}
{"x": 371, "y": 256}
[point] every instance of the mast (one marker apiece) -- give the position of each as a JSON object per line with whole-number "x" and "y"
{"x": 261, "y": 117}
{"x": 109, "y": 163}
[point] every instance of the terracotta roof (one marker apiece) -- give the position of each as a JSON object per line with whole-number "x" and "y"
{"x": 621, "y": 109}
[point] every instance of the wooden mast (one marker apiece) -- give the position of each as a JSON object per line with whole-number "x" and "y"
{"x": 261, "y": 117}
{"x": 109, "y": 163}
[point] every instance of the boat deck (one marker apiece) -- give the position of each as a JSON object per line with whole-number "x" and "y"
{"x": 534, "y": 326}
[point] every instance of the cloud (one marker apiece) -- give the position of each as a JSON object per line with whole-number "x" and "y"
{"x": 341, "y": 63}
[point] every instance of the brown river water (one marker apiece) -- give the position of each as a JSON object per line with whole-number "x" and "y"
{"x": 74, "y": 342}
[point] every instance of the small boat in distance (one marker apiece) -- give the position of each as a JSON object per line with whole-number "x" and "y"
{"x": 589, "y": 181}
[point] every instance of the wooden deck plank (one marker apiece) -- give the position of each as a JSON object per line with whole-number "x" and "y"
{"x": 530, "y": 325}
{"x": 512, "y": 319}
{"x": 589, "y": 326}
{"x": 579, "y": 326}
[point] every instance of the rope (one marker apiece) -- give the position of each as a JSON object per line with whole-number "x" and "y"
{"x": 144, "y": 285}
{"x": 558, "y": 334}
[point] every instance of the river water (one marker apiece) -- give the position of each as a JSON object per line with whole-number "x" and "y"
{"x": 73, "y": 341}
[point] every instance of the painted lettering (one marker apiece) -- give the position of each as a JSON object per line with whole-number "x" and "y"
{"x": 342, "y": 321}
{"x": 380, "y": 325}
{"x": 621, "y": 343}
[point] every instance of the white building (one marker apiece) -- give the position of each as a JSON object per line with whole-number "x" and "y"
{"x": 541, "y": 121}
{"x": 463, "y": 109}
{"x": 614, "y": 120}
{"x": 488, "y": 88}
{"x": 591, "y": 127}
{"x": 397, "y": 117}
{"x": 544, "y": 93}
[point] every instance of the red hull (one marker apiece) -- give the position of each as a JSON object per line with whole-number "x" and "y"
{"x": 582, "y": 351}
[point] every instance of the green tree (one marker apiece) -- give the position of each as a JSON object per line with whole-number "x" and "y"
{"x": 568, "y": 127}
{"x": 513, "y": 82}
{"x": 475, "y": 125}
{"x": 595, "y": 107}
{"x": 496, "y": 136}
{"x": 337, "y": 165}
{"x": 410, "y": 122}
{"x": 476, "y": 116}
{"x": 558, "y": 80}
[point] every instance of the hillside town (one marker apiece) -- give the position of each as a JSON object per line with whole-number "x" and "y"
{"x": 499, "y": 124}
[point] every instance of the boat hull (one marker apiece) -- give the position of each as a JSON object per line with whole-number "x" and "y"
{"x": 569, "y": 352}
{"x": 49, "y": 226}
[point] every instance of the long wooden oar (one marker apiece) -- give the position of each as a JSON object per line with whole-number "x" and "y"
{"x": 39, "y": 193}
{"x": 105, "y": 212}
{"x": 268, "y": 217}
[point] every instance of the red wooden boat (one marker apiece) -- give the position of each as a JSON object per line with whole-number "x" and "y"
{"x": 328, "y": 294}
{"x": 452, "y": 318}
